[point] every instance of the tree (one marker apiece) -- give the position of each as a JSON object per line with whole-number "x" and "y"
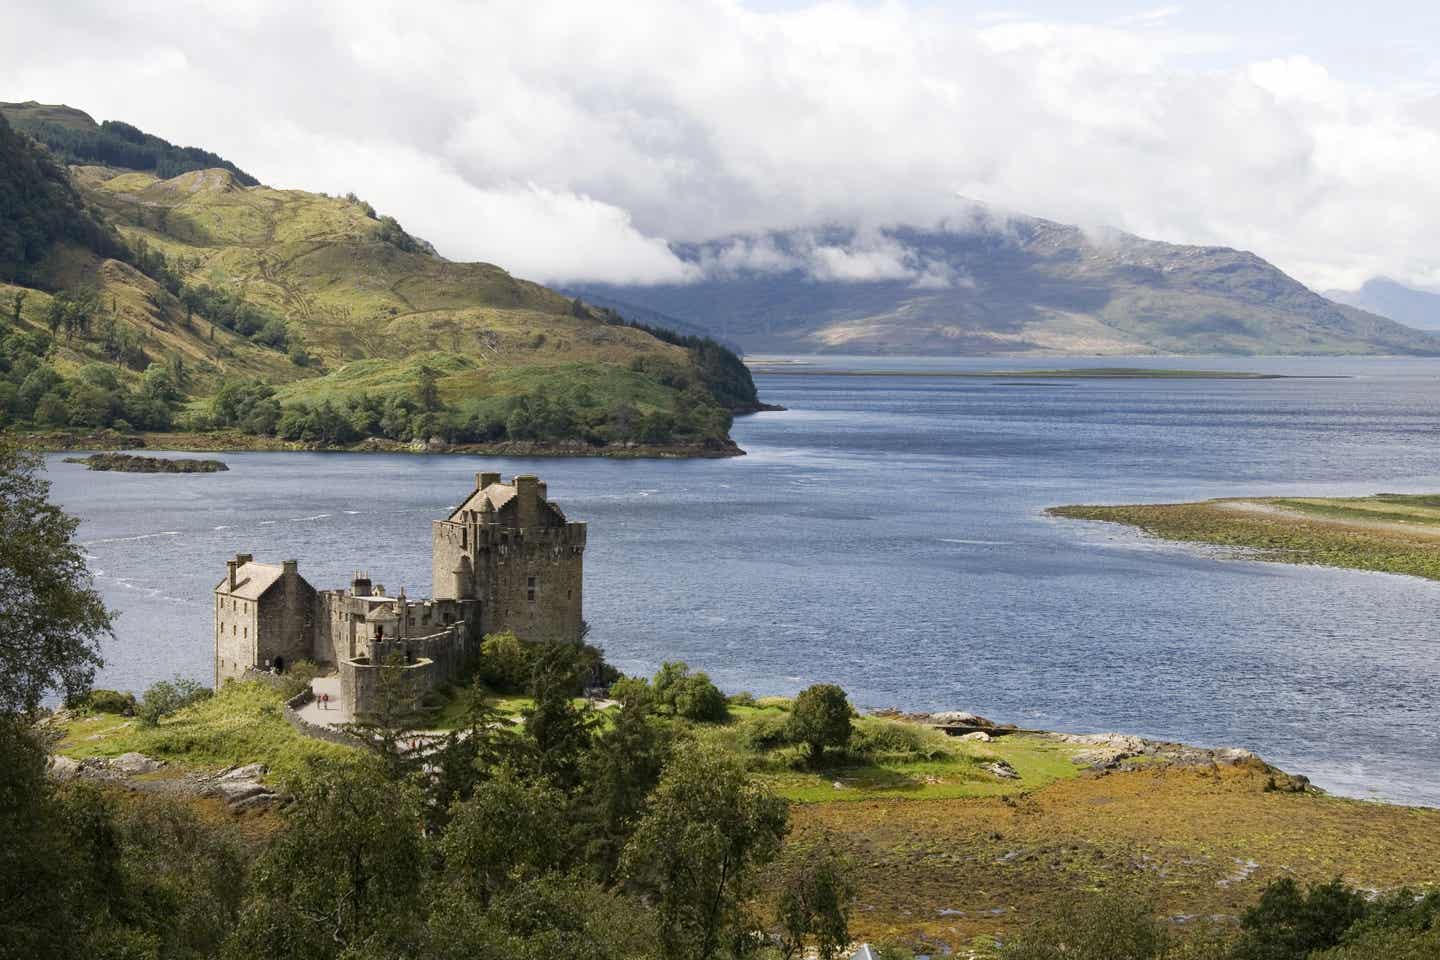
{"x": 698, "y": 849}
{"x": 689, "y": 695}
{"x": 165, "y": 697}
{"x": 16, "y": 303}
{"x": 813, "y": 905}
{"x": 344, "y": 874}
{"x": 1115, "y": 926}
{"x": 427, "y": 392}
{"x": 506, "y": 831}
{"x": 556, "y": 731}
{"x": 820, "y": 718}
{"x": 622, "y": 767}
{"x": 51, "y": 619}
{"x": 1290, "y": 923}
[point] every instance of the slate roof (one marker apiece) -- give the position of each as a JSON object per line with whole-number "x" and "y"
{"x": 251, "y": 580}
{"x": 498, "y": 494}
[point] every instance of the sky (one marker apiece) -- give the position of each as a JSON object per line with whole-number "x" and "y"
{"x": 573, "y": 142}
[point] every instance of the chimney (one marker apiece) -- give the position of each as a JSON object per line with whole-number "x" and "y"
{"x": 291, "y": 568}
{"x": 243, "y": 558}
{"x": 230, "y": 566}
{"x": 483, "y": 480}
{"x": 360, "y": 585}
{"x": 527, "y": 505}
{"x": 541, "y": 489}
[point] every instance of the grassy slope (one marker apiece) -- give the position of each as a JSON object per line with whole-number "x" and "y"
{"x": 1391, "y": 533}
{"x": 944, "y": 849}
{"x": 368, "y": 312}
{"x": 352, "y": 297}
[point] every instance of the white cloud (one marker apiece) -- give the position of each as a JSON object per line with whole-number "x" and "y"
{"x": 571, "y": 141}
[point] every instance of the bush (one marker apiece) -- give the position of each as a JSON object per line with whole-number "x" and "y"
{"x": 689, "y": 695}
{"x": 296, "y": 678}
{"x": 111, "y": 701}
{"x": 891, "y": 741}
{"x": 821, "y": 718}
{"x": 1288, "y": 923}
{"x": 764, "y": 733}
{"x": 168, "y": 696}
{"x": 1115, "y": 926}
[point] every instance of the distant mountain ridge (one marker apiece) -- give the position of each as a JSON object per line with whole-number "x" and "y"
{"x": 1011, "y": 284}
{"x": 1392, "y": 299}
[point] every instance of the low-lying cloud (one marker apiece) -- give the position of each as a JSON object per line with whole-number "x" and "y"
{"x": 576, "y": 142}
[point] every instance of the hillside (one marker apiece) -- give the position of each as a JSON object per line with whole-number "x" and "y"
{"x": 247, "y": 315}
{"x": 73, "y": 136}
{"x": 1387, "y": 298}
{"x": 1012, "y": 285}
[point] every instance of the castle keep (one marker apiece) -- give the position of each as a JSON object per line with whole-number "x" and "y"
{"x": 507, "y": 558}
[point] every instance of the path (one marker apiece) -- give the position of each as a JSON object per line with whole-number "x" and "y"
{"x": 314, "y": 713}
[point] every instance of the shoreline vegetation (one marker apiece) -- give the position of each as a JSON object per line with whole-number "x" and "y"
{"x": 964, "y": 837}
{"x": 1385, "y": 533}
{"x": 60, "y": 441}
{"x": 801, "y": 368}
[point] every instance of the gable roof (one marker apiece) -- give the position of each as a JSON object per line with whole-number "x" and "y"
{"x": 498, "y": 494}
{"x": 251, "y": 580}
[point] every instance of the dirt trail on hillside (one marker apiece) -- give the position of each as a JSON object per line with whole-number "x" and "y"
{"x": 1418, "y": 530}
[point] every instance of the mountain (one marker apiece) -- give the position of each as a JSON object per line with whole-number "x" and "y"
{"x": 1004, "y": 285}
{"x": 73, "y": 136}
{"x": 200, "y": 303}
{"x": 1388, "y": 298}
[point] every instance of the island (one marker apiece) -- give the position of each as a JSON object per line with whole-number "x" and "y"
{"x": 1385, "y": 532}
{"x": 132, "y": 463}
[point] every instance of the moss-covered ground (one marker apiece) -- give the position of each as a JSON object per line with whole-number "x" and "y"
{"x": 1390, "y": 533}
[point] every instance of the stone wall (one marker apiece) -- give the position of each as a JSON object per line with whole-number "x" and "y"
{"x": 360, "y": 680}
{"x": 316, "y": 730}
{"x": 286, "y": 620}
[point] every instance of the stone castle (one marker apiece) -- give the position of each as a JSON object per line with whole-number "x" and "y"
{"x": 505, "y": 559}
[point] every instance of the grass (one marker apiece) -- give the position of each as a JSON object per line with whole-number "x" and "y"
{"x": 243, "y": 723}
{"x": 1388, "y": 533}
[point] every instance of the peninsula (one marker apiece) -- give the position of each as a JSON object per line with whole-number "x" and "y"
{"x": 131, "y": 463}
{"x": 1386, "y": 532}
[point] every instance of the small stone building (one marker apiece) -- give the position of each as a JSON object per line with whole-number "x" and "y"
{"x": 505, "y": 559}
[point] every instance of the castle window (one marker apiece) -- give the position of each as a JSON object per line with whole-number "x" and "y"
{"x": 530, "y": 588}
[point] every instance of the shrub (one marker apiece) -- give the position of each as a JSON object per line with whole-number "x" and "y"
{"x": 111, "y": 701}
{"x": 168, "y": 696}
{"x": 296, "y": 678}
{"x": 1288, "y": 923}
{"x": 764, "y": 733}
{"x": 1115, "y": 926}
{"x": 689, "y": 695}
{"x": 890, "y": 741}
{"x": 505, "y": 662}
{"x": 821, "y": 718}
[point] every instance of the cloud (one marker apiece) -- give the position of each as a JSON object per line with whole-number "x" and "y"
{"x": 573, "y": 142}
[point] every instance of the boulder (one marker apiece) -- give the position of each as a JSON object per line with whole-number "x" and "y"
{"x": 979, "y": 736}
{"x": 64, "y": 768}
{"x": 131, "y": 764}
{"x": 1001, "y": 769}
{"x": 251, "y": 771}
{"x": 234, "y": 791}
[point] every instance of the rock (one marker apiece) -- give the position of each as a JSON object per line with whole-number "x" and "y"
{"x": 979, "y": 736}
{"x": 251, "y": 771}
{"x": 1234, "y": 755}
{"x": 234, "y": 791}
{"x": 1002, "y": 770}
{"x": 959, "y": 718}
{"x": 63, "y": 768}
{"x": 259, "y": 801}
{"x": 131, "y": 764}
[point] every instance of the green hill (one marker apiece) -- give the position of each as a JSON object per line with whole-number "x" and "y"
{"x": 199, "y": 304}
{"x": 74, "y": 137}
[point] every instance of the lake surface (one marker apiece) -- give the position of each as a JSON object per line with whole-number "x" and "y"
{"x": 888, "y": 534}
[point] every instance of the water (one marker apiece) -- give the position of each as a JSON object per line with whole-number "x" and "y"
{"x": 887, "y": 533}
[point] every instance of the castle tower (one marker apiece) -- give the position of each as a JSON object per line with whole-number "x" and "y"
{"x": 512, "y": 549}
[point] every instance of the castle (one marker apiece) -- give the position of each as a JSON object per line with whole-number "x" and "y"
{"x": 505, "y": 559}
